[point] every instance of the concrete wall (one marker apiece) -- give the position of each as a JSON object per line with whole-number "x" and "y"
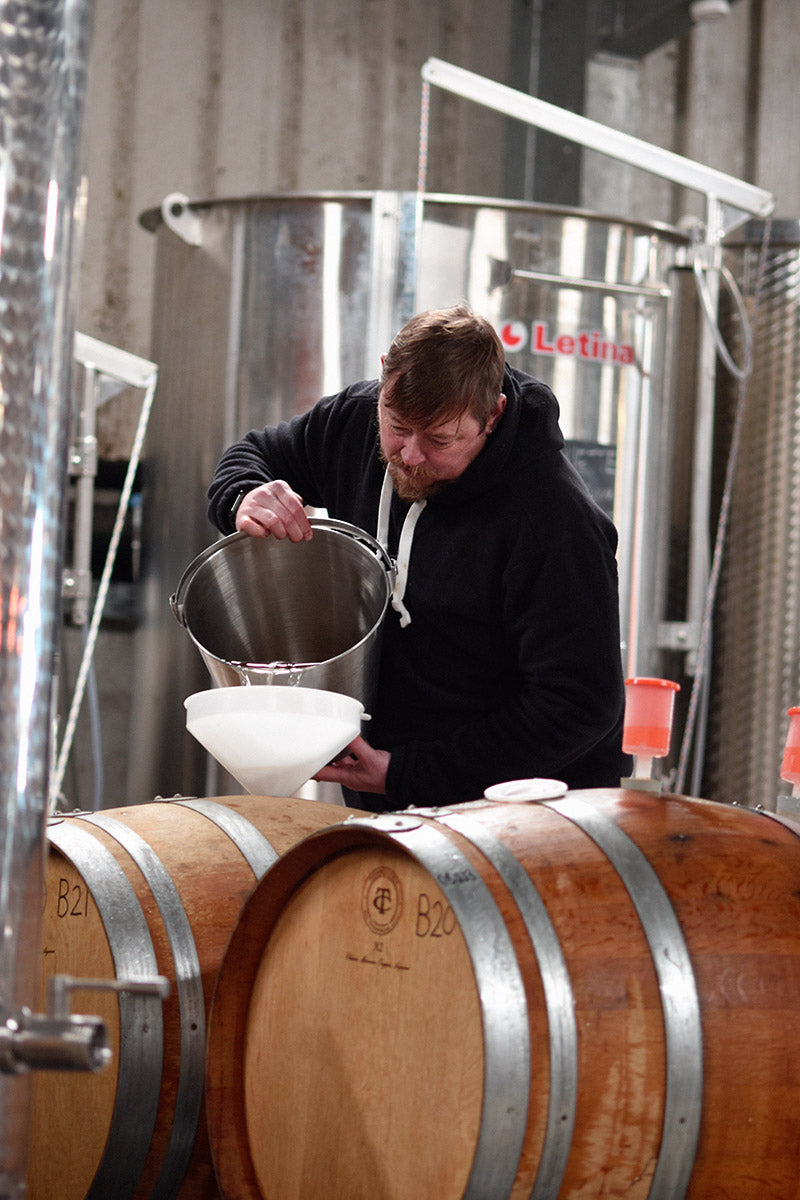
{"x": 223, "y": 98}
{"x": 725, "y": 96}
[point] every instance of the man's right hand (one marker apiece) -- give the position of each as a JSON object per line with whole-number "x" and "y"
{"x": 273, "y": 508}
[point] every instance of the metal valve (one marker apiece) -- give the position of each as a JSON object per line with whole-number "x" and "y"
{"x": 59, "y": 1040}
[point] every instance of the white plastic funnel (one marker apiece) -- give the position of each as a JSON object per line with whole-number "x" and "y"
{"x": 272, "y": 740}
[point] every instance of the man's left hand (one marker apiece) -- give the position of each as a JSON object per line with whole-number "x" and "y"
{"x": 358, "y": 767}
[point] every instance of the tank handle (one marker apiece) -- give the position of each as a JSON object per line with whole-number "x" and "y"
{"x": 179, "y": 217}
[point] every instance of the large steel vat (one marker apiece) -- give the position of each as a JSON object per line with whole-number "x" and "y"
{"x": 264, "y": 304}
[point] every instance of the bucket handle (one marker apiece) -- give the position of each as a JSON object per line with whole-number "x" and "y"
{"x": 177, "y": 597}
{"x": 176, "y": 600}
{"x": 358, "y": 535}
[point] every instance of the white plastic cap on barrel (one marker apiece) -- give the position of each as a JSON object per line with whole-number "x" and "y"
{"x": 525, "y": 791}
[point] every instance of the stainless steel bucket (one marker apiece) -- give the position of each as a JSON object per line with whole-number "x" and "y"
{"x": 264, "y": 611}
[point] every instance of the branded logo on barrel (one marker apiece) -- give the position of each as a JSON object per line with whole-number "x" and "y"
{"x": 382, "y": 900}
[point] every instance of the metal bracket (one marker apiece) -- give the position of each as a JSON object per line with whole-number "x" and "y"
{"x": 678, "y": 635}
{"x": 179, "y": 217}
{"x": 83, "y": 456}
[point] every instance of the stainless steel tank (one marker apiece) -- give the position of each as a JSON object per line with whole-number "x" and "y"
{"x": 44, "y": 50}
{"x": 264, "y": 304}
{"x": 756, "y": 672}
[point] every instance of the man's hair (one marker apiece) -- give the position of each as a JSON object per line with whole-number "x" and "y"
{"x": 443, "y": 363}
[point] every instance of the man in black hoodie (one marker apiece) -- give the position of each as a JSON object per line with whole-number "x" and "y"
{"x": 501, "y": 652}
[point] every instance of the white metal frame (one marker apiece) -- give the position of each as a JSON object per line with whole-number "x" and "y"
{"x": 726, "y": 189}
{"x": 108, "y": 370}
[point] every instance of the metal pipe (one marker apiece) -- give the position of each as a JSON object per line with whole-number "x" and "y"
{"x": 83, "y": 465}
{"x": 30, "y": 1040}
{"x": 59, "y": 1040}
{"x": 43, "y": 56}
{"x": 594, "y": 285}
{"x": 110, "y": 369}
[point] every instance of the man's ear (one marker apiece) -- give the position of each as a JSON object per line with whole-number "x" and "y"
{"x": 496, "y": 413}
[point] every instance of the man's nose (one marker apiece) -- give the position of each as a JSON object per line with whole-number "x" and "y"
{"x": 411, "y": 452}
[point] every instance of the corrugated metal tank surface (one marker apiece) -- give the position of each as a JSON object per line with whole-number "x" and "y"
{"x": 756, "y": 672}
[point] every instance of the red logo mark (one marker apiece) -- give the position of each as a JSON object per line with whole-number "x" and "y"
{"x": 513, "y": 335}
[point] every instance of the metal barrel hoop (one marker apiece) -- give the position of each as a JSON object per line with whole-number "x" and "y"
{"x": 679, "y": 996}
{"x": 140, "y": 1064}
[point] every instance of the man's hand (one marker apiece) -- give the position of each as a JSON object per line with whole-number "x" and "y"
{"x": 273, "y": 508}
{"x": 358, "y": 767}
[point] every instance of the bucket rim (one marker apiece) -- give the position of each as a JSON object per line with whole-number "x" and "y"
{"x": 226, "y": 673}
{"x": 320, "y": 524}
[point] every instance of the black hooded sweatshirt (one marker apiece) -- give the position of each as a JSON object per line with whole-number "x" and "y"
{"x": 510, "y": 667}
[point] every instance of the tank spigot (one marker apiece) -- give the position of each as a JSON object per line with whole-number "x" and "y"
{"x": 59, "y": 1040}
{"x": 35, "y": 1041}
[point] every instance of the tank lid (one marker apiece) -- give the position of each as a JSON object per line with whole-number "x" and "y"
{"x": 152, "y": 219}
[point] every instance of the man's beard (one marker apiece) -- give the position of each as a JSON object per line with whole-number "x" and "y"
{"x": 413, "y": 484}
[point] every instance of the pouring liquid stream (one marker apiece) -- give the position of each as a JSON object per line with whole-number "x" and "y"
{"x": 293, "y": 671}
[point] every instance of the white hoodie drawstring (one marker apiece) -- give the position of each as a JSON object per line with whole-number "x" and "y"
{"x": 404, "y": 547}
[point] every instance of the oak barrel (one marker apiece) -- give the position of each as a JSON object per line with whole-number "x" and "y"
{"x": 134, "y": 892}
{"x": 597, "y": 996}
